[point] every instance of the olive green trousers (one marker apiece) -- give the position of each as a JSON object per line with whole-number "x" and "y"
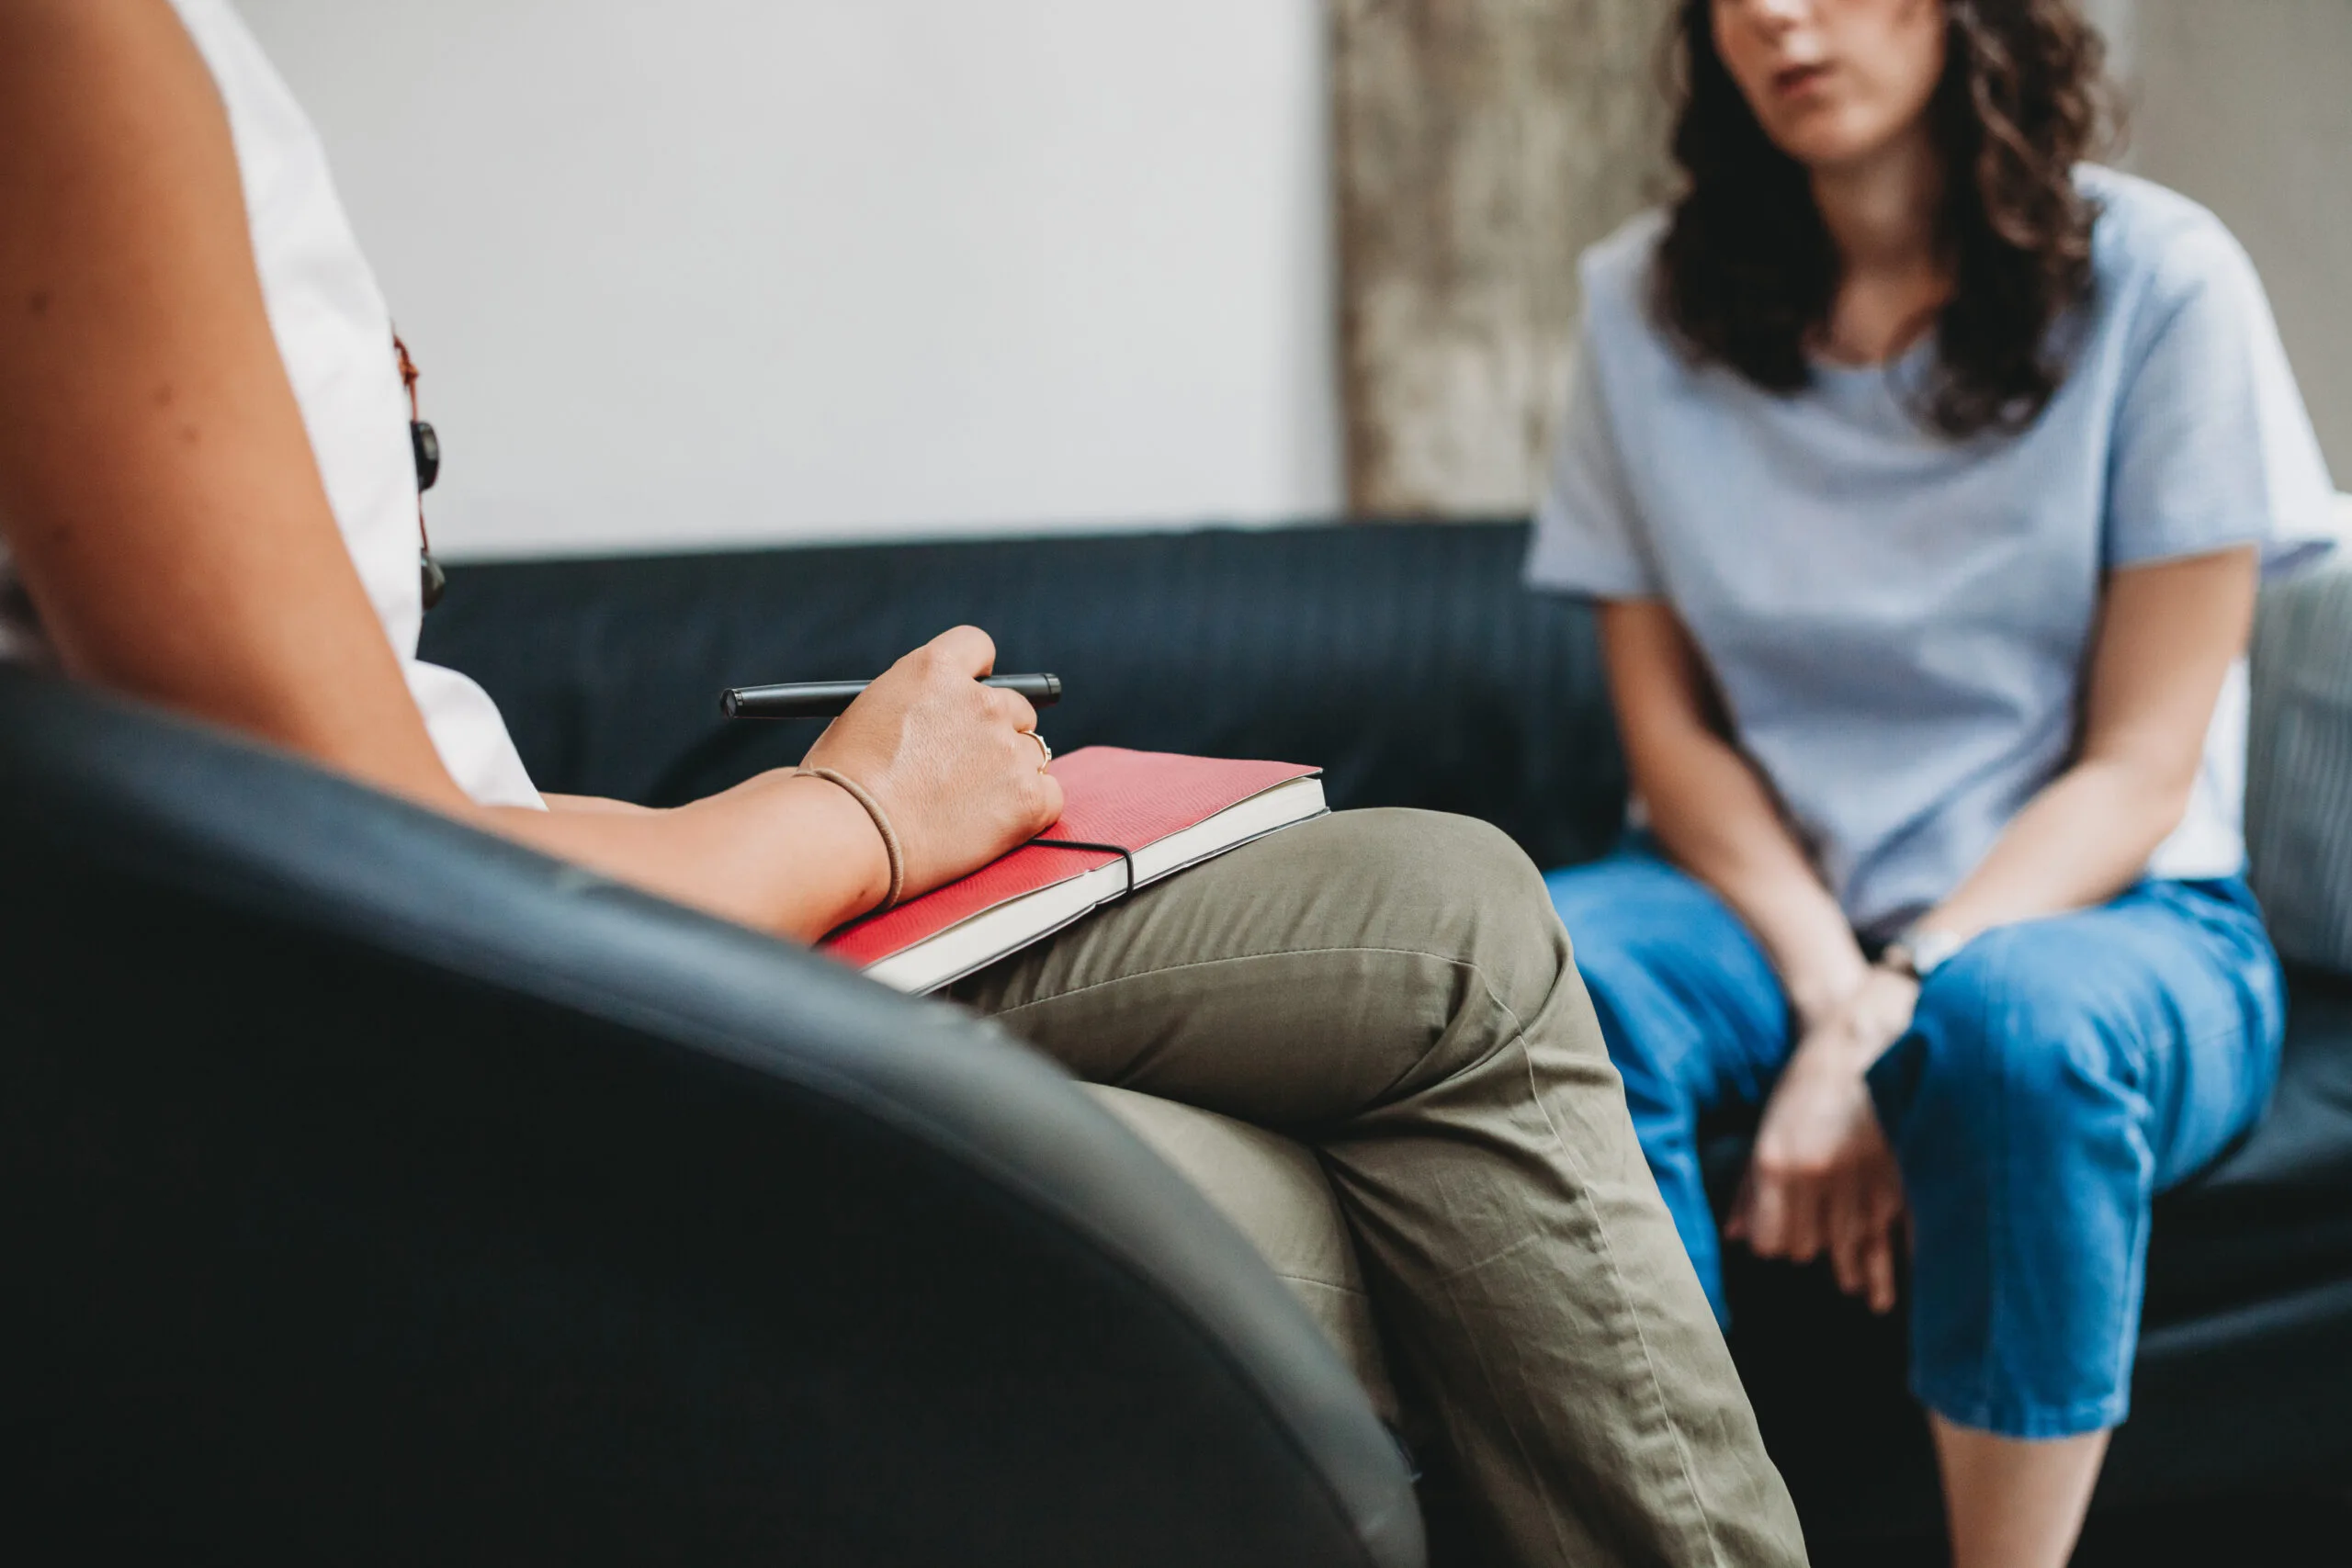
{"x": 1392, "y": 989}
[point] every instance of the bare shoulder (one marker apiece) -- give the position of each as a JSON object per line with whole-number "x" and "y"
{"x": 75, "y": 67}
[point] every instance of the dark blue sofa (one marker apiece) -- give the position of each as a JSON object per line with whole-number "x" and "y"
{"x": 1409, "y": 663}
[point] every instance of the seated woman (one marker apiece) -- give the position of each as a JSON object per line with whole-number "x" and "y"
{"x": 1922, "y": 473}
{"x": 206, "y": 485}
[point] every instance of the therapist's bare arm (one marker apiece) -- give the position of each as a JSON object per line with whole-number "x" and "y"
{"x": 159, "y": 493}
{"x": 2169, "y": 635}
{"x": 1711, "y": 811}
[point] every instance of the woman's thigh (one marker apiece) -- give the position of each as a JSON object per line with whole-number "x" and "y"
{"x": 1305, "y": 979}
{"x": 2155, "y": 1018}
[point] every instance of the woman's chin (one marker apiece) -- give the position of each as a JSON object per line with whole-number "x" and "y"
{"x": 1826, "y": 145}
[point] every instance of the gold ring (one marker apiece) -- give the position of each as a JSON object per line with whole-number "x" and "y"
{"x": 1042, "y": 747}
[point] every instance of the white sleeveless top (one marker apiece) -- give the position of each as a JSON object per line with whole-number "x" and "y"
{"x": 335, "y": 336}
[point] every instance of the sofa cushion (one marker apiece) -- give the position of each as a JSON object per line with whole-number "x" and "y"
{"x": 2299, "y": 775}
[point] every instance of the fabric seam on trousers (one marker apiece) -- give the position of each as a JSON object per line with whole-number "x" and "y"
{"x": 2129, "y": 1302}
{"x": 1641, "y": 1338}
{"x": 1996, "y": 1227}
{"x": 1486, "y": 1371}
{"x": 1662, "y": 1411}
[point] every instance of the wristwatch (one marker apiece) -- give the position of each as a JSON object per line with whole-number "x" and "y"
{"x": 1919, "y": 953}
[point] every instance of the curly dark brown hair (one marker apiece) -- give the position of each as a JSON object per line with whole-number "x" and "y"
{"x": 1748, "y": 274}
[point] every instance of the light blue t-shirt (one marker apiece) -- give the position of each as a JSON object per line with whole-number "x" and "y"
{"x": 1899, "y": 623}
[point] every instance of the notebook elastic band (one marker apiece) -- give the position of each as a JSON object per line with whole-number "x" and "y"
{"x": 1099, "y": 849}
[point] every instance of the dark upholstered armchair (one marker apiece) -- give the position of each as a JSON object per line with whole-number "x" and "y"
{"x": 375, "y": 1191}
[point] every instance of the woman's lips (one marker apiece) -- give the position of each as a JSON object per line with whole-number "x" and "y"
{"x": 1797, "y": 80}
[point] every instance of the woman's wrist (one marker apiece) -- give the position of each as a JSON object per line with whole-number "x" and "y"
{"x": 1873, "y": 1017}
{"x": 1804, "y": 936}
{"x": 1822, "y": 981}
{"x": 893, "y": 853}
{"x": 851, "y": 837}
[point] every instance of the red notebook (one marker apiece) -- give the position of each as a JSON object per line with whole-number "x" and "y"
{"x": 1167, "y": 812}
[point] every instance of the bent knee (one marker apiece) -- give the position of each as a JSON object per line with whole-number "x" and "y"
{"x": 2014, "y": 1045}
{"x": 1449, "y": 886}
{"x": 1452, "y": 857}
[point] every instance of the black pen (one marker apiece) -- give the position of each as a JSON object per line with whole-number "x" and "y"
{"x": 830, "y": 699}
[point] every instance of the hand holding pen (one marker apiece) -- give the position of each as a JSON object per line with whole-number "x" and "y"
{"x": 945, "y": 761}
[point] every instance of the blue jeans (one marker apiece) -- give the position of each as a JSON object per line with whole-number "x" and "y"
{"x": 2057, "y": 1076}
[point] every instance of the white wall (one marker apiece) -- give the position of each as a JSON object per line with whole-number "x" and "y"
{"x": 2246, "y": 105}
{"x": 699, "y": 272}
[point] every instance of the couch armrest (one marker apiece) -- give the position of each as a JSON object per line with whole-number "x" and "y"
{"x": 2299, "y": 775}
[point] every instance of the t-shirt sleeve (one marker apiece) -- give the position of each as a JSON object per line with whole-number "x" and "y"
{"x": 1588, "y": 528}
{"x": 2213, "y": 447}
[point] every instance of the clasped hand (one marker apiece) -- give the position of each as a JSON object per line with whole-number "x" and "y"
{"x": 1822, "y": 1176}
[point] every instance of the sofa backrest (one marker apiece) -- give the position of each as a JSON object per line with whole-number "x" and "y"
{"x": 1405, "y": 658}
